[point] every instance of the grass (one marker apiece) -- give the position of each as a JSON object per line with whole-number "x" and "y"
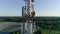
{"x": 45, "y": 31}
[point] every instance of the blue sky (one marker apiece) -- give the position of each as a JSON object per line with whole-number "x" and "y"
{"x": 42, "y": 7}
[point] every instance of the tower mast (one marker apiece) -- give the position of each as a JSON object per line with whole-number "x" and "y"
{"x": 28, "y": 14}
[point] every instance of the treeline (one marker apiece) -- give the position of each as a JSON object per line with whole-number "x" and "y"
{"x": 11, "y": 19}
{"x": 20, "y": 19}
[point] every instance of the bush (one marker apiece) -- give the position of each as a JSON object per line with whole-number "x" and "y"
{"x": 37, "y": 32}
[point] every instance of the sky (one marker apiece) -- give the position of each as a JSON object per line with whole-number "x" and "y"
{"x": 41, "y": 7}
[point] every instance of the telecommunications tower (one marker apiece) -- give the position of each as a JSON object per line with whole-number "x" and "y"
{"x": 28, "y": 14}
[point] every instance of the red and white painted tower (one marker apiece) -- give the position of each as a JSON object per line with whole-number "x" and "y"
{"x": 27, "y": 13}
